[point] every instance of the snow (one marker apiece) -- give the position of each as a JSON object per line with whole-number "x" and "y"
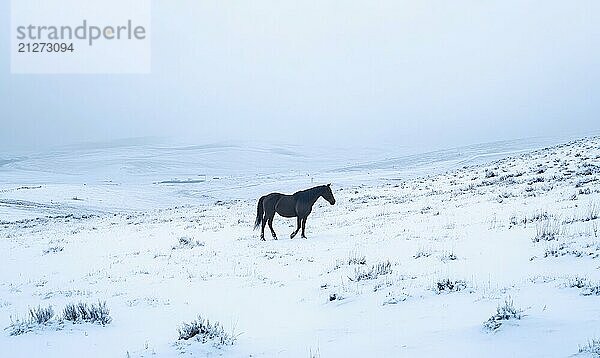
{"x": 105, "y": 223}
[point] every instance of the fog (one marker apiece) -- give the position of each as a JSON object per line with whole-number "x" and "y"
{"x": 382, "y": 73}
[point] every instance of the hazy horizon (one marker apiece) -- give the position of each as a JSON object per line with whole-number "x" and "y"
{"x": 424, "y": 75}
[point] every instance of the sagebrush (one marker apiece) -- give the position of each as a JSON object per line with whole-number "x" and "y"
{"x": 205, "y": 331}
{"x": 504, "y": 312}
{"x": 73, "y": 312}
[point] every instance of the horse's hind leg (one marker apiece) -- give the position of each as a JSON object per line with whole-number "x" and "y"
{"x": 271, "y": 227}
{"x": 264, "y": 223}
{"x": 262, "y": 230}
{"x": 303, "y": 227}
{"x": 297, "y": 229}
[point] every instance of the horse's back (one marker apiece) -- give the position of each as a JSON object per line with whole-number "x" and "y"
{"x": 272, "y": 196}
{"x": 270, "y": 200}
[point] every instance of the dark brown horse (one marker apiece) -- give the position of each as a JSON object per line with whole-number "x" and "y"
{"x": 296, "y": 205}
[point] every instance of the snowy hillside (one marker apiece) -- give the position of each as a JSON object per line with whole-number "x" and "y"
{"x": 148, "y": 174}
{"x": 444, "y": 254}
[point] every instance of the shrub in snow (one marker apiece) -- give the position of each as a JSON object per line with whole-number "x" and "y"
{"x": 99, "y": 314}
{"x": 537, "y": 216}
{"x": 592, "y": 347}
{"x": 422, "y": 252}
{"x": 504, "y": 312}
{"x": 587, "y": 288}
{"x": 578, "y": 282}
{"x": 352, "y": 259}
{"x": 448, "y": 256}
{"x": 583, "y": 182}
{"x": 187, "y": 242}
{"x": 547, "y": 230}
{"x": 38, "y": 316}
{"x": 335, "y": 297}
{"x": 585, "y": 191}
{"x": 591, "y": 290}
{"x": 44, "y": 316}
{"x": 19, "y": 326}
{"x": 204, "y": 331}
{"x": 382, "y": 268}
{"x": 555, "y": 251}
{"x": 513, "y": 221}
{"x": 41, "y": 315}
{"x": 489, "y": 173}
{"x": 53, "y": 249}
{"x": 357, "y": 260}
{"x": 81, "y": 312}
{"x": 426, "y": 209}
{"x": 591, "y": 213}
{"x": 70, "y": 313}
{"x": 536, "y": 180}
{"x": 393, "y": 298}
{"x": 447, "y": 285}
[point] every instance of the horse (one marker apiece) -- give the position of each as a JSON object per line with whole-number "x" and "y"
{"x": 297, "y": 205}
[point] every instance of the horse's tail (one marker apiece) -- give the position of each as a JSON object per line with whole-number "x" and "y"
{"x": 260, "y": 211}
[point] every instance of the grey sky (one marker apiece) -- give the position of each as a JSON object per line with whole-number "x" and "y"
{"x": 430, "y": 73}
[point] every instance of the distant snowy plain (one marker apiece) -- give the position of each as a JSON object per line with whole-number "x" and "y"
{"x": 418, "y": 252}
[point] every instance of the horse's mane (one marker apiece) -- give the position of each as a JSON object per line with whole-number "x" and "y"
{"x": 311, "y": 189}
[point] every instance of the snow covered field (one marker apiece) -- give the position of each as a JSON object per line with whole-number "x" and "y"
{"x": 417, "y": 254}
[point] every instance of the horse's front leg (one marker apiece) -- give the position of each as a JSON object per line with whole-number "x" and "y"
{"x": 304, "y": 227}
{"x": 297, "y": 229}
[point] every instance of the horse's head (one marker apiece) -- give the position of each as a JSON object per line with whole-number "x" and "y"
{"x": 328, "y": 194}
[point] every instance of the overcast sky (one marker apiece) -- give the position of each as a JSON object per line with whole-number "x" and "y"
{"x": 417, "y": 73}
